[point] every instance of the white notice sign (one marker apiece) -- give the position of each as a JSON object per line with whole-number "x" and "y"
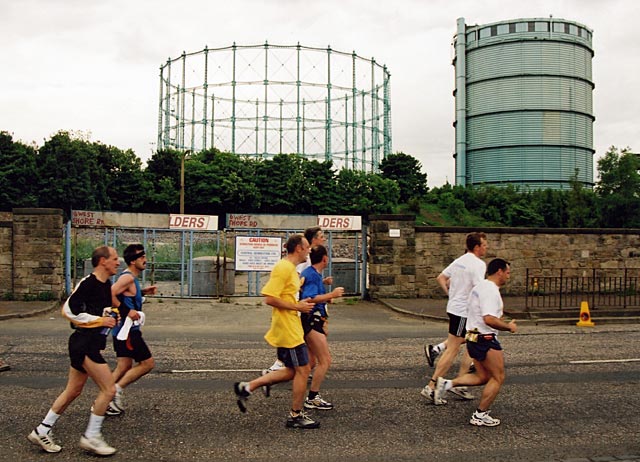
{"x": 257, "y": 253}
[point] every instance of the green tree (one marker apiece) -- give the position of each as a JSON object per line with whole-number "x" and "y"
{"x": 220, "y": 182}
{"x": 163, "y": 175}
{"x": 281, "y": 183}
{"x": 17, "y": 174}
{"x": 406, "y": 171}
{"x": 126, "y": 185}
{"x": 619, "y": 189}
{"x": 69, "y": 175}
{"x": 581, "y": 206}
{"x": 364, "y": 193}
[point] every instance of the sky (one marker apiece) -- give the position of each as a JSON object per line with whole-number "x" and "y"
{"x": 93, "y": 66}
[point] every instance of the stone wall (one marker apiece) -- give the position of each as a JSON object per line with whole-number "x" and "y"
{"x": 31, "y": 254}
{"x": 406, "y": 266}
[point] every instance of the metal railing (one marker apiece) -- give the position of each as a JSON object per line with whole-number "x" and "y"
{"x": 567, "y": 291}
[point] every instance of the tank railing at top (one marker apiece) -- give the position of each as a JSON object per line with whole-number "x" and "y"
{"x": 564, "y": 291}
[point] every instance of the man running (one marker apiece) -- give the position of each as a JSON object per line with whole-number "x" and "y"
{"x": 130, "y": 346}
{"x": 484, "y": 322}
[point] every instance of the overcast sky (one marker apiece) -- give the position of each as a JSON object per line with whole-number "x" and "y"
{"x": 94, "y": 65}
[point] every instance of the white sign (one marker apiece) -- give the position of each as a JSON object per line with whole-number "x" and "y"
{"x": 193, "y": 222}
{"x": 340, "y": 222}
{"x": 394, "y": 232}
{"x": 263, "y": 221}
{"x": 89, "y": 218}
{"x": 257, "y": 253}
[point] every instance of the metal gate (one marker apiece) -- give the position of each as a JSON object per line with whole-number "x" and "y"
{"x": 201, "y": 264}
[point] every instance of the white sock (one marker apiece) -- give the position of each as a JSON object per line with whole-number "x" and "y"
{"x": 448, "y": 385}
{"x": 49, "y": 421}
{"x": 95, "y": 425}
{"x": 440, "y": 347}
{"x": 119, "y": 389}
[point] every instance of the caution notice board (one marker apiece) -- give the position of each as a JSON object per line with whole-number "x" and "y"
{"x": 257, "y": 253}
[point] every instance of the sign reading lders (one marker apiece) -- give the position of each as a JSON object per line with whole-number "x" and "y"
{"x": 340, "y": 222}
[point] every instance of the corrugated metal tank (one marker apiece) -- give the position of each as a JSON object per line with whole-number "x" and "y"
{"x": 524, "y": 106}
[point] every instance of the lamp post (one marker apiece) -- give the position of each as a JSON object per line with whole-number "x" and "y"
{"x": 184, "y": 154}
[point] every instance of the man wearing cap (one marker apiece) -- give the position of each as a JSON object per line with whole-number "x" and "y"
{"x": 130, "y": 346}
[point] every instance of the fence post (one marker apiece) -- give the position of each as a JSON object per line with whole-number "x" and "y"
{"x": 593, "y": 290}
{"x": 526, "y": 291}
{"x": 561, "y": 281}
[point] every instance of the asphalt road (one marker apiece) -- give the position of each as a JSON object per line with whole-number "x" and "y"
{"x": 551, "y": 407}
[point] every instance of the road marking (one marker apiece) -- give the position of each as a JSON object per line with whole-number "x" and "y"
{"x": 192, "y": 371}
{"x": 595, "y": 361}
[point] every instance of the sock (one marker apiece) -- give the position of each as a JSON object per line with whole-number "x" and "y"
{"x": 50, "y": 419}
{"x": 95, "y": 425}
{"x": 478, "y": 411}
{"x": 119, "y": 389}
{"x": 312, "y": 395}
{"x": 295, "y": 413}
{"x": 448, "y": 385}
{"x": 440, "y": 347}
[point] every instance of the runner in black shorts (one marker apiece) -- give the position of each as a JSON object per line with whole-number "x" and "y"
{"x": 127, "y": 336}
{"x": 88, "y": 311}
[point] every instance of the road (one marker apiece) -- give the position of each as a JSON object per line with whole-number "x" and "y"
{"x": 551, "y": 407}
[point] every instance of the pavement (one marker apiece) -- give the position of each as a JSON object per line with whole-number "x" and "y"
{"x": 424, "y": 308}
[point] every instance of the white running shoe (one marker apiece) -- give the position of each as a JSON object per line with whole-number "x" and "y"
{"x": 481, "y": 419}
{"x": 439, "y": 392}
{"x": 45, "y": 441}
{"x": 428, "y": 393}
{"x": 276, "y": 366}
{"x": 97, "y": 445}
{"x": 462, "y": 392}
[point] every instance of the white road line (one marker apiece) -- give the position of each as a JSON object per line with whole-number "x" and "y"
{"x": 192, "y": 371}
{"x": 595, "y": 361}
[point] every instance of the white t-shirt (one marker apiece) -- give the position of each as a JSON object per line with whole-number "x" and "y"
{"x": 464, "y": 272}
{"x": 485, "y": 299}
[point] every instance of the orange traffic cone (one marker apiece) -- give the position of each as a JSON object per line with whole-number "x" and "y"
{"x": 585, "y": 316}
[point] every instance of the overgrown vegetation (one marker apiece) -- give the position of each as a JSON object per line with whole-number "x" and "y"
{"x": 71, "y": 172}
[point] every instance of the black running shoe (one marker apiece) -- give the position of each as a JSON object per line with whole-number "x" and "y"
{"x": 302, "y": 420}
{"x": 241, "y": 394}
{"x": 431, "y": 354}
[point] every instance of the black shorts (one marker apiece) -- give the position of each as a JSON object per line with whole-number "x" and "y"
{"x": 457, "y": 325}
{"x": 133, "y": 347}
{"x": 86, "y": 344}
{"x": 294, "y": 357}
{"x": 478, "y": 350}
{"x": 312, "y": 322}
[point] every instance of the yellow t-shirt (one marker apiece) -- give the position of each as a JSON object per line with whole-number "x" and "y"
{"x": 286, "y": 328}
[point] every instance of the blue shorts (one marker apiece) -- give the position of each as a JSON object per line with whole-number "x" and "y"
{"x": 294, "y": 357}
{"x": 478, "y": 350}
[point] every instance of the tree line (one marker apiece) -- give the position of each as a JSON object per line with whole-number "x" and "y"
{"x": 71, "y": 172}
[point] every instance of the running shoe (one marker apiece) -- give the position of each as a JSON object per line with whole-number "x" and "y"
{"x": 113, "y": 409}
{"x": 118, "y": 400}
{"x": 483, "y": 419}
{"x": 266, "y": 389}
{"x": 429, "y": 394}
{"x": 302, "y": 420}
{"x": 431, "y": 354}
{"x": 462, "y": 392}
{"x": 242, "y": 394}
{"x": 276, "y": 365}
{"x": 317, "y": 403}
{"x": 96, "y": 445}
{"x": 46, "y": 441}
{"x": 439, "y": 392}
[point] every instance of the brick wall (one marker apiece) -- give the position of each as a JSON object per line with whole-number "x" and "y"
{"x": 406, "y": 266}
{"x": 31, "y": 252}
